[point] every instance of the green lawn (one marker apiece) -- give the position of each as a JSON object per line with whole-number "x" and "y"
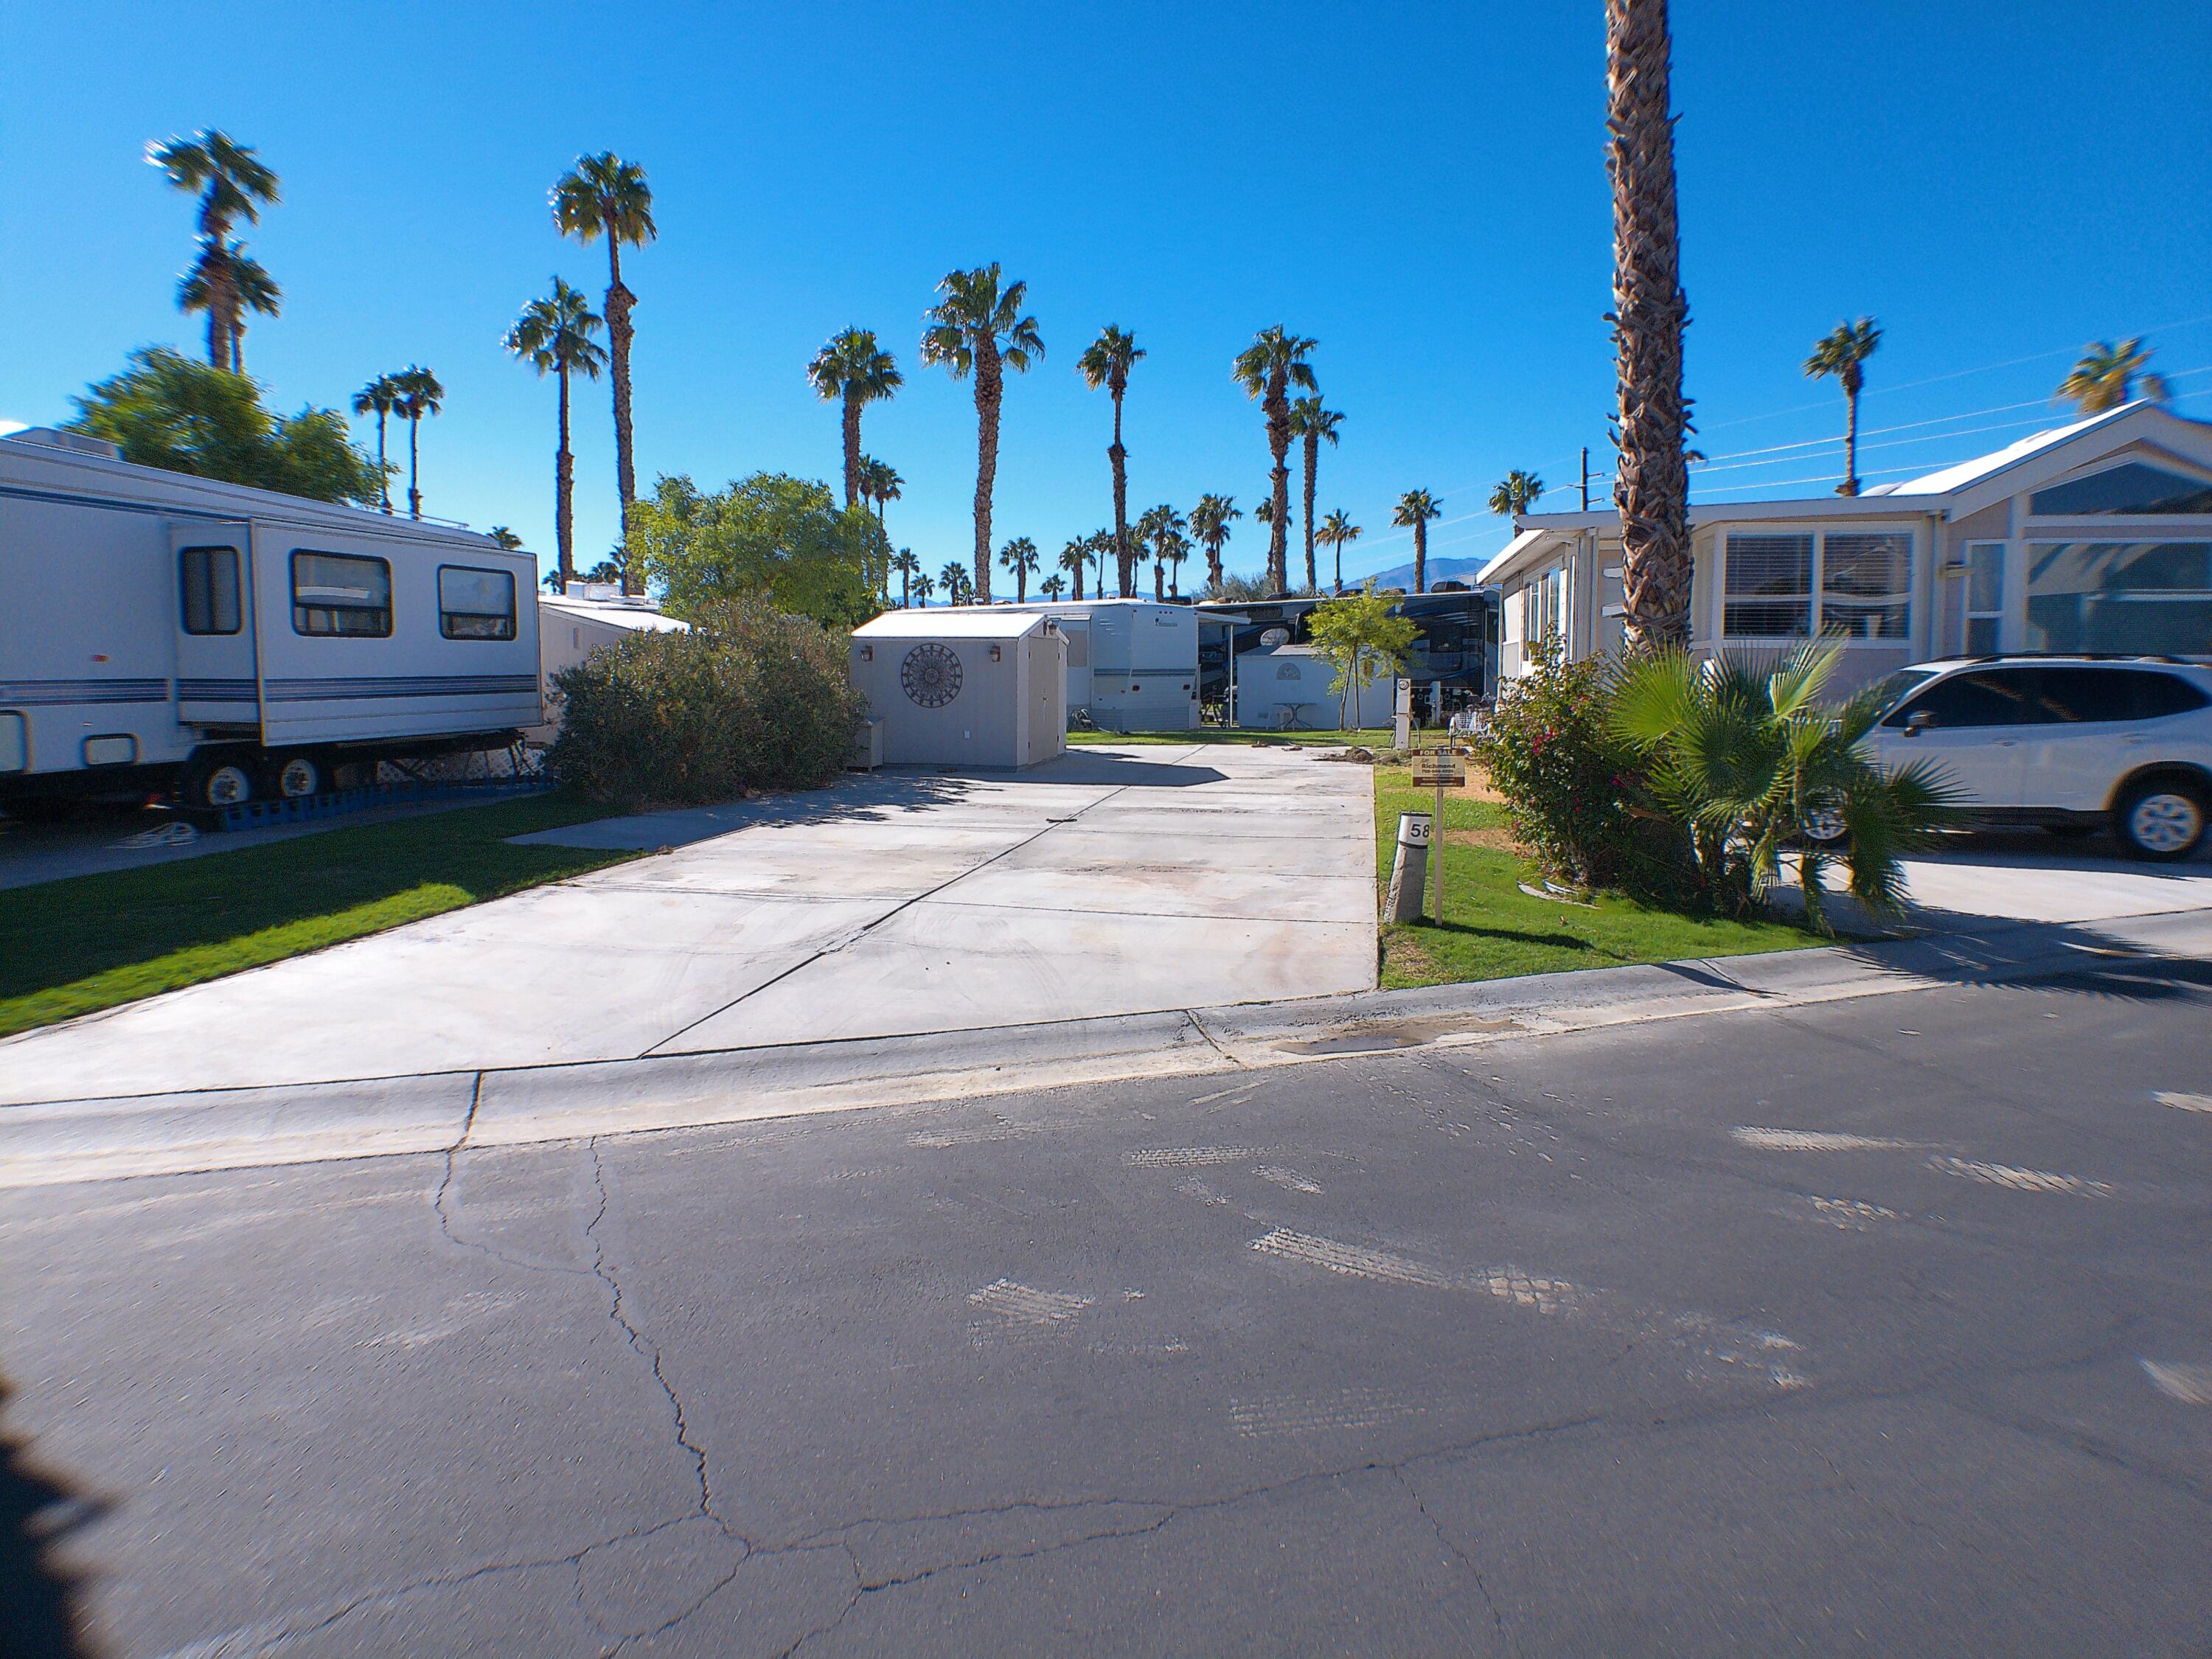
{"x": 70, "y": 947}
{"x": 1493, "y": 930}
{"x": 1375, "y": 739}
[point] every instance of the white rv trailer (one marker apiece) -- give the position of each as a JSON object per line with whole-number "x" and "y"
{"x": 157, "y": 628}
{"x": 1133, "y": 664}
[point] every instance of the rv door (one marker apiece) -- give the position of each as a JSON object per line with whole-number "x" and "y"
{"x": 217, "y": 684}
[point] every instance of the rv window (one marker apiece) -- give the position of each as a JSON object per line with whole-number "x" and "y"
{"x": 475, "y": 604}
{"x": 207, "y": 579}
{"x": 341, "y": 593}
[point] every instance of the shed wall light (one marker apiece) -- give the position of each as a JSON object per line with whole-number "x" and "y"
{"x": 994, "y": 654}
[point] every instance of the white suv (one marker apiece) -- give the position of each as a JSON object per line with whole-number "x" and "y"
{"x": 2071, "y": 744}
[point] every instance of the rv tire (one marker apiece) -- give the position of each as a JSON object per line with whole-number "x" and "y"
{"x": 291, "y": 777}
{"x": 214, "y": 781}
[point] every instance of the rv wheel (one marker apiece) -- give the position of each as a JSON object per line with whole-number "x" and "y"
{"x": 299, "y": 776}
{"x": 217, "y": 783}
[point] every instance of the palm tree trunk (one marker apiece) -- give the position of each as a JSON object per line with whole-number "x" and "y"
{"x": 990, "y": 384}
{"x": 1213, "y": 564}
{"x": 1313, "y": 464}
{"x": 1652, "y": 486}
{"x": 414, "y": 494}
{"x": 383, "y": 475}
{"x": 1125, "y": 560}
{"x": 564, "y": 463}
{"x": 852, "y": 448}
{"x": 1851, "y": 486}
{"x": 237, "y": 346}
{"x": 620, "y": 300}
{"x": 1420, "y": 556}
{"x": 1278, "y": 408}
{"x": 1160, "y": 582}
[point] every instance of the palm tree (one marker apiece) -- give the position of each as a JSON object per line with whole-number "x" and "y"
{"x": 1416, "y": 508}
{"x": 250, "y": 287}
{"x": 1158, "y": 530}
{"x": 1175, "y": 549}
{"x": 1020, "y": 557}
{"x": 910, "y": 569}
{"x": 605, "y": 196}
{"x": 1841, "y": 352}
{"x": 234, "y": 183}
{"x": 1517, "y": 492}
{"x": 1336, "y": 530}
{"x": 507, "y": 539}
{"x": 879, "y": 484}
{"x": 1073, "y": 557}
{"x": 1310, "y": 421}
{"x": 1209, "y": 522}
{"x": 2109, "y": 375}
{"x": 420, "y": 395}
{"x": 554, "y": 337}
{"x": 1053, "y": 587}
{"x": 379, "y": 397}
{"x": 854, "y": 367}
{"x": 1651, "y": 484}
{"x": 958, "y": 586}
{"x": 978, "y": 329}
{"x": 1107, "y": 361}
{"x": 923, "y": 587}
{"x": 1274, "y": 362}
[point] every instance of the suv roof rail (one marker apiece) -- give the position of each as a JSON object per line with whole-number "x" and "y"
{"x": 2089, "y": 656}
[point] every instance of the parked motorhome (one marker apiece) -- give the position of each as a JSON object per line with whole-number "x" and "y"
{"x": 1131, "y": 664}
{"x": 158, "y": 628}
{"x": 1452, "y": 664}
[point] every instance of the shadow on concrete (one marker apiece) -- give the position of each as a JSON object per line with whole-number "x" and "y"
{"x": 2108, "y": 966}
{"x": 1080, "y": 767}
{"x": 37, "y": 1616}
{"x": 856, "y": 798}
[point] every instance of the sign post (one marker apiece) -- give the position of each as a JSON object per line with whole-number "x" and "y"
{"x": 1441, "y": 766}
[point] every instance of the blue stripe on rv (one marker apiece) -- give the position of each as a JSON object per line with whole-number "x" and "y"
{"x": 400, "y": 685}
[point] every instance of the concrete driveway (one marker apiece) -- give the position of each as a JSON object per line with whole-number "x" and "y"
{"x": 1109, "y": 882}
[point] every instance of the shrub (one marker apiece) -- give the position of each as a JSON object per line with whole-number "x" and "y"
{"x": 1572, "y": 789}
{"x": 751, "y": 698}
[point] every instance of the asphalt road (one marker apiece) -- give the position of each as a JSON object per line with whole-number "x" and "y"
{"x": 1882, "y": 1327}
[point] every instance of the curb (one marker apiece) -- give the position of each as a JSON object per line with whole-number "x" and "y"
{"x": 58, "y": 1142}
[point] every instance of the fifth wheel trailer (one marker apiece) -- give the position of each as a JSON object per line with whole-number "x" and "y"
{"x": 158, "y": 628}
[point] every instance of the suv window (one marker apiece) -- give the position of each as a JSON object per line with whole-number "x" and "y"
{"x": 2112, "y": 694}
{"x": 1988, "y": 696}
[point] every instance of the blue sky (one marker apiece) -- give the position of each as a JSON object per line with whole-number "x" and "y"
{"x": 1419, "y": 187}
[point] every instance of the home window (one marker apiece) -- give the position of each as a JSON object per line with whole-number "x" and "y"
{"x": 1770, "y": 587}
{"x": 1985, "y": 597}
{"x": 1866, "y": 583}
{"x": 475, "y": 604}
{"x": 341, "y": 594}
{"x": 207, "y": 583}
{"x": 2123, "y": 596}
{"x": 2129, "y": 488}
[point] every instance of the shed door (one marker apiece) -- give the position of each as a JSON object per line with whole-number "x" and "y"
{"x": 212, "y": 570}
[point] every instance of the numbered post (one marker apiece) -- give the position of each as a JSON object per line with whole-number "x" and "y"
{"x": 1408, "y": 869}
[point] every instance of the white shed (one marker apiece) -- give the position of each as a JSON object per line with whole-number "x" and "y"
{"x": 574, "y": 624}
{"x": 1285, "y": 688}
{"x": 986, "y": 686}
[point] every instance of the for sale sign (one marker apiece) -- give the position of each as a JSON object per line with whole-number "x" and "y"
{"x": 1440, "y": 766}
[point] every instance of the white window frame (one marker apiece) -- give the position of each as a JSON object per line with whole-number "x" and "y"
{"x": 1819, "y": 532}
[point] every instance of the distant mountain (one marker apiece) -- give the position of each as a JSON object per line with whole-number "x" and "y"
{"x": 1402, "y": 575}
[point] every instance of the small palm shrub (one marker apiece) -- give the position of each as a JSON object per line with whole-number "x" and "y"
{"x": 1743, "y": 753}
{"x": 751, "y": 698}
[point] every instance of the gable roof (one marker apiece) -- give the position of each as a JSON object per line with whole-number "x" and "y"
{"x": 981, "y": 622}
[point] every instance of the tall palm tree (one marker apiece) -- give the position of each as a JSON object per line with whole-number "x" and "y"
{"x": 1155, "y": 531}
{"x": 1267, "y": 369}
{"x": 1020, "y": 557}
{"x": 977, "y": 328}
{"x": 1517, "y": 492}
{"x": 1053, "y": 587}
{"x": 256, "y": 291}
{"x": 1651, "y": 484}
{"x": 2109, "y": 375}
{"x": 923, "y": 587}
{"x": 1175, "y": 549}
{"x": 605, "y": 196}
{"x": 1310, "y": 421}
{"x": 554, "y": 337}
{"x": 1107, "y": 361}
{"x": 1073, "y": 557}
{"x": 234, "y": 183}
{"x": 879, "y": 484}
{"x": 1336, "y": 530}
{"x": 958, "y": 586}
{"x": 379, "y": 397}
{"x": 1415, "y": 510}
{"x": 854, "y": 367}
{"x": 1209, "y": 522}
{"x": 420, "y": 395}
{"x": 908, "y": 569}
{"x": 1841, "y": 352}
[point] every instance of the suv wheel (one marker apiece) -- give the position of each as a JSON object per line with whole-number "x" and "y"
{"x": 1824, "y": 825}
{"x": 2162, "y": 819}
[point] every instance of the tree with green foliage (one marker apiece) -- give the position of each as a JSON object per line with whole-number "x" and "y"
{"x": 605, "y": 196}
{"x": 168, "y": 411}
{"x": 1052, "y": 585}
{"x": 233, "y": 183}
{"x": 1364, "y": 638}
{"x": 420, "y": 397}
{"x": 1020, "y": 557}
{"x": 1268, "y": 370}
{"x": 1842, "y": 352}
{"x": 770, "y": 534}
{"x": 1209, "y": 523}
{"x": 1336, "y": 531}
{"x": 379, "y": 397}
{"x": 1743, "y": 753}
{"x": 909, "y": 567}
{"x": 958, "y": 587}
{"x": 507, "y": 539}
{"x": 978, "y": 329}
{"x": 2110, "y": 374}
{"x": 1313, "y": 423}
{"x": 923, "y": 587}
{"x": 1073, "y": 557}
{"x": 554, "y": 337}
{"x": 1416, "y": 510}
{"x": 1515, "y": 493}
{"x": 853, "y": 370}
{"x": 1106, "y": 361}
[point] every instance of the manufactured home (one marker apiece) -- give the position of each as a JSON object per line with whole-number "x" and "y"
{"x": 158, "y": 628}
{"x": 2093, "y": 536}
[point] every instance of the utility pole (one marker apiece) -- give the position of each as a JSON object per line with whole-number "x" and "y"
{"x": 1585, "y": 478}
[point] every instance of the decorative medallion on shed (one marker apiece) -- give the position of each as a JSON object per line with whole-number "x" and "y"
{"x": 930, "y": 674}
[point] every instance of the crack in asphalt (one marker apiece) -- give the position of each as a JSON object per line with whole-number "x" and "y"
{"x": 1497, "y": 1616}
{"x": 445, "y": 1224}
